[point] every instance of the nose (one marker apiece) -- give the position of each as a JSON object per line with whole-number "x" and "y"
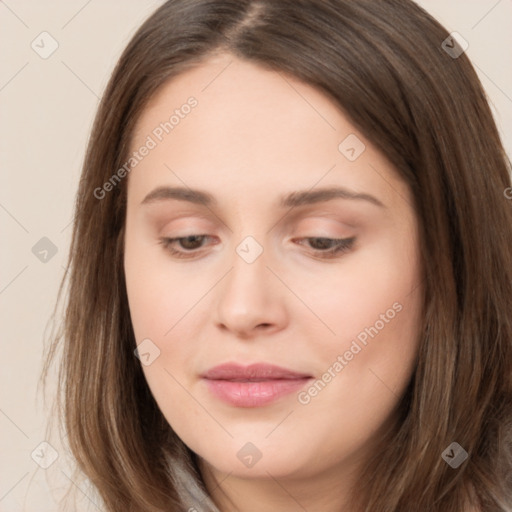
{"x": 250, "y": 299}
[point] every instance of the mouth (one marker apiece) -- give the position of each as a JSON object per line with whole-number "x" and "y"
{"x": 255, "y": 385}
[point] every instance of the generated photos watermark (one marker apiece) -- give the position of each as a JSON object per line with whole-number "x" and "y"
{"x": 358, "y": 344}
{"x": 152, "y": 140}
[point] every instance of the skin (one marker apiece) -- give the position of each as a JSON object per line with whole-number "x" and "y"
{"x": 254, "y": 136}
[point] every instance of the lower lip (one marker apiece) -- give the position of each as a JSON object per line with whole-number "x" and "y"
{"x": 254, "y": 394}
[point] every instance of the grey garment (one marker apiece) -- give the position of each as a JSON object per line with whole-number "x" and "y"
{"x": 193, "y": 496}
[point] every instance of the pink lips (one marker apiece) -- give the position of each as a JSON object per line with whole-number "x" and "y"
{"x": 254, "y": 385}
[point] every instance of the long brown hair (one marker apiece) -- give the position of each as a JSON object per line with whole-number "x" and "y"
{"x": 384, "y": 63}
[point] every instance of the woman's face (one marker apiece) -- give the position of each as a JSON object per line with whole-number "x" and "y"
{"x": 262, "y": 171}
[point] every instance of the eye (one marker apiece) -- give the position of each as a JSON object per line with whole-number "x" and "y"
{"x": 329, "y": 247}
{"x": 189, "y": 243}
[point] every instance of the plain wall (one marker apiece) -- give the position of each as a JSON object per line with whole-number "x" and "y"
{"x": 46, "y": 112}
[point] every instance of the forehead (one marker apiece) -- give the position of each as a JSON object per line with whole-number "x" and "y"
{"x": 251, "y": 131}
{"x": 253, "y": 103}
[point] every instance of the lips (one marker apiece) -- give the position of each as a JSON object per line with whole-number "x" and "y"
{"x": 255, "y": 385}
{"x": 254, "y": 372}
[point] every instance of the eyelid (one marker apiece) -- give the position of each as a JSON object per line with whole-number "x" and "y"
{"x": 340, "y": 246}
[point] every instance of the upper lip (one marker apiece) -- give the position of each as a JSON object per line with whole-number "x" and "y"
{"x": 256, "y": 371}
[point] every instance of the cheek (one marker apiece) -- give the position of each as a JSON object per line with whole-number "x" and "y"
{"x": 159, "y": 294}
{"x": 165, "y": 307}
{"x": 374, "y": 307}
{"x": 384, "y": 316}
{"x": 373, "y": 288}
{"x": 160, "y": 301}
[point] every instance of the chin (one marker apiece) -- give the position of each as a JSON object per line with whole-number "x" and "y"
{"x": 256, "y": 460}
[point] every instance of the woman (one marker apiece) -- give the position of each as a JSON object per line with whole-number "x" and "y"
{"x": 291, "y": 274}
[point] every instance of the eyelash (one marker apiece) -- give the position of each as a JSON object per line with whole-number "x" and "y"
{"x": 341, "y": 245}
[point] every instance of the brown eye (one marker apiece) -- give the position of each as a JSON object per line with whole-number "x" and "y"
{"x": 189, "y": 245}
{"x": 329, "y": 247}
{"x": 191, "y": 242}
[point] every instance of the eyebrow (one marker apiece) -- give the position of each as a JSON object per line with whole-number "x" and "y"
{"x": 290, "y": 200}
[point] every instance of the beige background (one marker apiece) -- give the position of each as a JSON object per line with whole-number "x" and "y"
{"x": 47, "y": 108}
